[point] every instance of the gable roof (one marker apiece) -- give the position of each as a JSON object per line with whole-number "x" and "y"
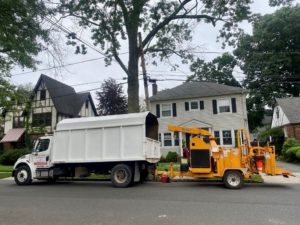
{"x": 64, "y": 97}
{"x": 291, "y": 108}
{"x": 195, "y": 90}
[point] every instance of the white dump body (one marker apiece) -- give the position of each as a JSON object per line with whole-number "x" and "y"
{"x": 106, "y": 139}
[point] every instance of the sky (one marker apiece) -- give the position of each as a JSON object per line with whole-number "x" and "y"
{"x": 87, "y": 76}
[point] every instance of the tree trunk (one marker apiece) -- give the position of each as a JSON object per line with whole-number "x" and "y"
{"x": 133, "y": 74}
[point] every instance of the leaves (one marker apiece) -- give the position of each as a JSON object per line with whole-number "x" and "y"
{"x": 111, "y": 98}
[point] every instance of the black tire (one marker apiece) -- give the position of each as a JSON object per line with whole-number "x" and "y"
{"x": 121, "y": 176}
{"x": 233, "y": 180}
{"x": 23, "y": 175}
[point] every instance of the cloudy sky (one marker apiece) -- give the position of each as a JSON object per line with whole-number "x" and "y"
{"x": 88, "y": 75}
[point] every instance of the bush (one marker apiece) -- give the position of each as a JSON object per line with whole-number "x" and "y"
{"x": 291, "y": 154}
{"x": 288, "y": 154}
{"x": 172, "y": 157}
{"x": 277, "y": 138}
{"x": 11, "y": 156}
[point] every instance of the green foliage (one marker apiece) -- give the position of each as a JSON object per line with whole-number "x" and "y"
{"x": 291, "y": 150}
{"x": 172, "y": 157}
{"x": 270, "y": 59}
{"x": 164, "y": 24}
{"x": 277, "y": 138}
{"x": 11, "y": 156}
{"x": 219, "y": 70}
{"x": 21, "y": 33}
{"x": 111, "y": 98}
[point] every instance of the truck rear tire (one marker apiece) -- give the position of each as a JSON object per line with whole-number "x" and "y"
{"x": 233, "y": 179}
{"x": 23, "y": 175}
{"x": 121, "y": 176}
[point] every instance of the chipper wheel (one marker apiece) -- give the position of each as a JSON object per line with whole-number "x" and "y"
{"x": 233, "y": 179}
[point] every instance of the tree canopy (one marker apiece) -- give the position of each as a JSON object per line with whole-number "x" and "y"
{"x": 112, "y": 99}
{"x": 21, "y": 33}
{"x": 163, "y": 24}
{"x": 270, "y": 59}
{"x": 219, "y": 70}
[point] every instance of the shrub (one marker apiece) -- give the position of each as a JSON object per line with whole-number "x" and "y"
{"x": 291, "y": 153}
{"x": 298, "y": 154}
{"x": 11, "y": 156}
{"x": 277, "y": 138}
{"x": 172, "y": 157}
{"x": 288, "y": 145}
{"x": 162, "y": 159}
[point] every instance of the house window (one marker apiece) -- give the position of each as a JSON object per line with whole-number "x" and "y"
{"x": 167, "y": 139}
{"x": 86, "y": 104}
{"x": 224, "y": 106}
{"x": 194, "y": 105}
{"x": 42, "y": 94}
{"x": 41, "y": 119}
{"x": 277, "y": 113}
{"x": 166, "y": 110}
{"x": 217, "y": 137}
{"x": 18, "y": 121}
{"x": 227, "y": 137}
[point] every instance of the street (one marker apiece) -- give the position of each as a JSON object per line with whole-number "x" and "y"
{"x": 97, "y": 203}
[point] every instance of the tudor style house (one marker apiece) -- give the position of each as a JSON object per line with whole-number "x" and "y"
{"x": 51, "y": 102}
{"x": 221, "y": 109}
{"x": 286, "y": 115}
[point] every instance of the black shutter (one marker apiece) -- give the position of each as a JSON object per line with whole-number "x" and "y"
{"x": 174, "y": 109}
{"x": 157, "y": 110}
{"x": 233, "y": 105}
{"x": 201, "y": 105}
{"x": 214, "y": 104}
{"x": 186, "y": 104}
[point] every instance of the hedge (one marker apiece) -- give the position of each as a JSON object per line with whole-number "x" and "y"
{"x": 291, "y": 150}
{"x": 11, "y": 156}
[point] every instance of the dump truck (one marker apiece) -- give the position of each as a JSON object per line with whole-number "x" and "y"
{"x": 233, "y": 166}
{"x": 125, "y": 146}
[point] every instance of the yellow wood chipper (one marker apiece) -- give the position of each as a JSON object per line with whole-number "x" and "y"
{"x": 234, "y": 166}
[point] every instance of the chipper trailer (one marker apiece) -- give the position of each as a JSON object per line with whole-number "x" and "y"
{"x": 233, "y": 166}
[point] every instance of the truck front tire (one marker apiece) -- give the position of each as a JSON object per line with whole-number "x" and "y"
{"x": 121, "y": 176}
{"x": 233, "y": 179}
{"x": 23, "y": 175}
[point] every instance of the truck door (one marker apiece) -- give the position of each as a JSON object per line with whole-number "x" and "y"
{"x": 40, "y": 156}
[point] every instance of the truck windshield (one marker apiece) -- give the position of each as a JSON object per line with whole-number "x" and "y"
{"x": 42, "y": 145}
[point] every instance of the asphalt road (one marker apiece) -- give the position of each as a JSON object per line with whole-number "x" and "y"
{"x": 97, "y": 203}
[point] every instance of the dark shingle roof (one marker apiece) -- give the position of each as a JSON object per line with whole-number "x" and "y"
{"x": 64, "y": 97}
{"x": 291, "y": 108}
{"x": 195, "y": 90}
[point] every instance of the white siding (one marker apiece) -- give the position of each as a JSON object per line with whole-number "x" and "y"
{"x": 86, "y": 112}
{"x": 215, "y": 122}
{"x": 279, "y": 118}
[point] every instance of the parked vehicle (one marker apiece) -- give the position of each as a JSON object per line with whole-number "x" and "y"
{"x": 125, "y": 146}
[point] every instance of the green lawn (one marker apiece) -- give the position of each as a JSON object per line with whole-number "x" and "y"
{"x": 5, "y": 175}
{"x": 165, "y": 166}
{"x": 4, "y": 168}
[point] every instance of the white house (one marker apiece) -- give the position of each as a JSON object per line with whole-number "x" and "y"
{"x": 221, "y": 109}
{"x": 51, "y": 102}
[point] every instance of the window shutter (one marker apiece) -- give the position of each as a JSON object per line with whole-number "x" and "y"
{"x": 174, "y": 109}
{"x": 201, "y": 105}
{"x": 157, "y": 110}
{"x": 233, "y": 105}
{"x": 214, "y": 104}
{"x": 186, "y": 106}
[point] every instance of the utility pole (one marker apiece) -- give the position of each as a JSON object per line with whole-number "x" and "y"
{"x": 144, "y": 73}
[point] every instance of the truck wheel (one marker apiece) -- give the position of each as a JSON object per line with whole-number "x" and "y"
{"x": 233, "y": 179}
{"x": 121, "y": 176}
{"x": 23, "y": 175}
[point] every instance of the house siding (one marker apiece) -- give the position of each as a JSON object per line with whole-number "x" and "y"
{"x": 216, "y": 122}
{"x": 292, "y": 131}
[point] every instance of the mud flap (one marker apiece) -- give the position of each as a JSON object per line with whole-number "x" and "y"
{"x": 137, "y": 174}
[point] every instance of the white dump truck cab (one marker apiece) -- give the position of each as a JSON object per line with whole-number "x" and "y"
{"x": 125, "y": 146}
{"x": 27, "y": 166}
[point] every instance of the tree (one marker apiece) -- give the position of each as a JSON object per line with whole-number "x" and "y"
{"x": 164, "y": 25}
{"x": 270, "y": 60}
{"x": 219, "y": 70}
{"x": 111, "y": 98}
{"x": 21, "y": 33}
